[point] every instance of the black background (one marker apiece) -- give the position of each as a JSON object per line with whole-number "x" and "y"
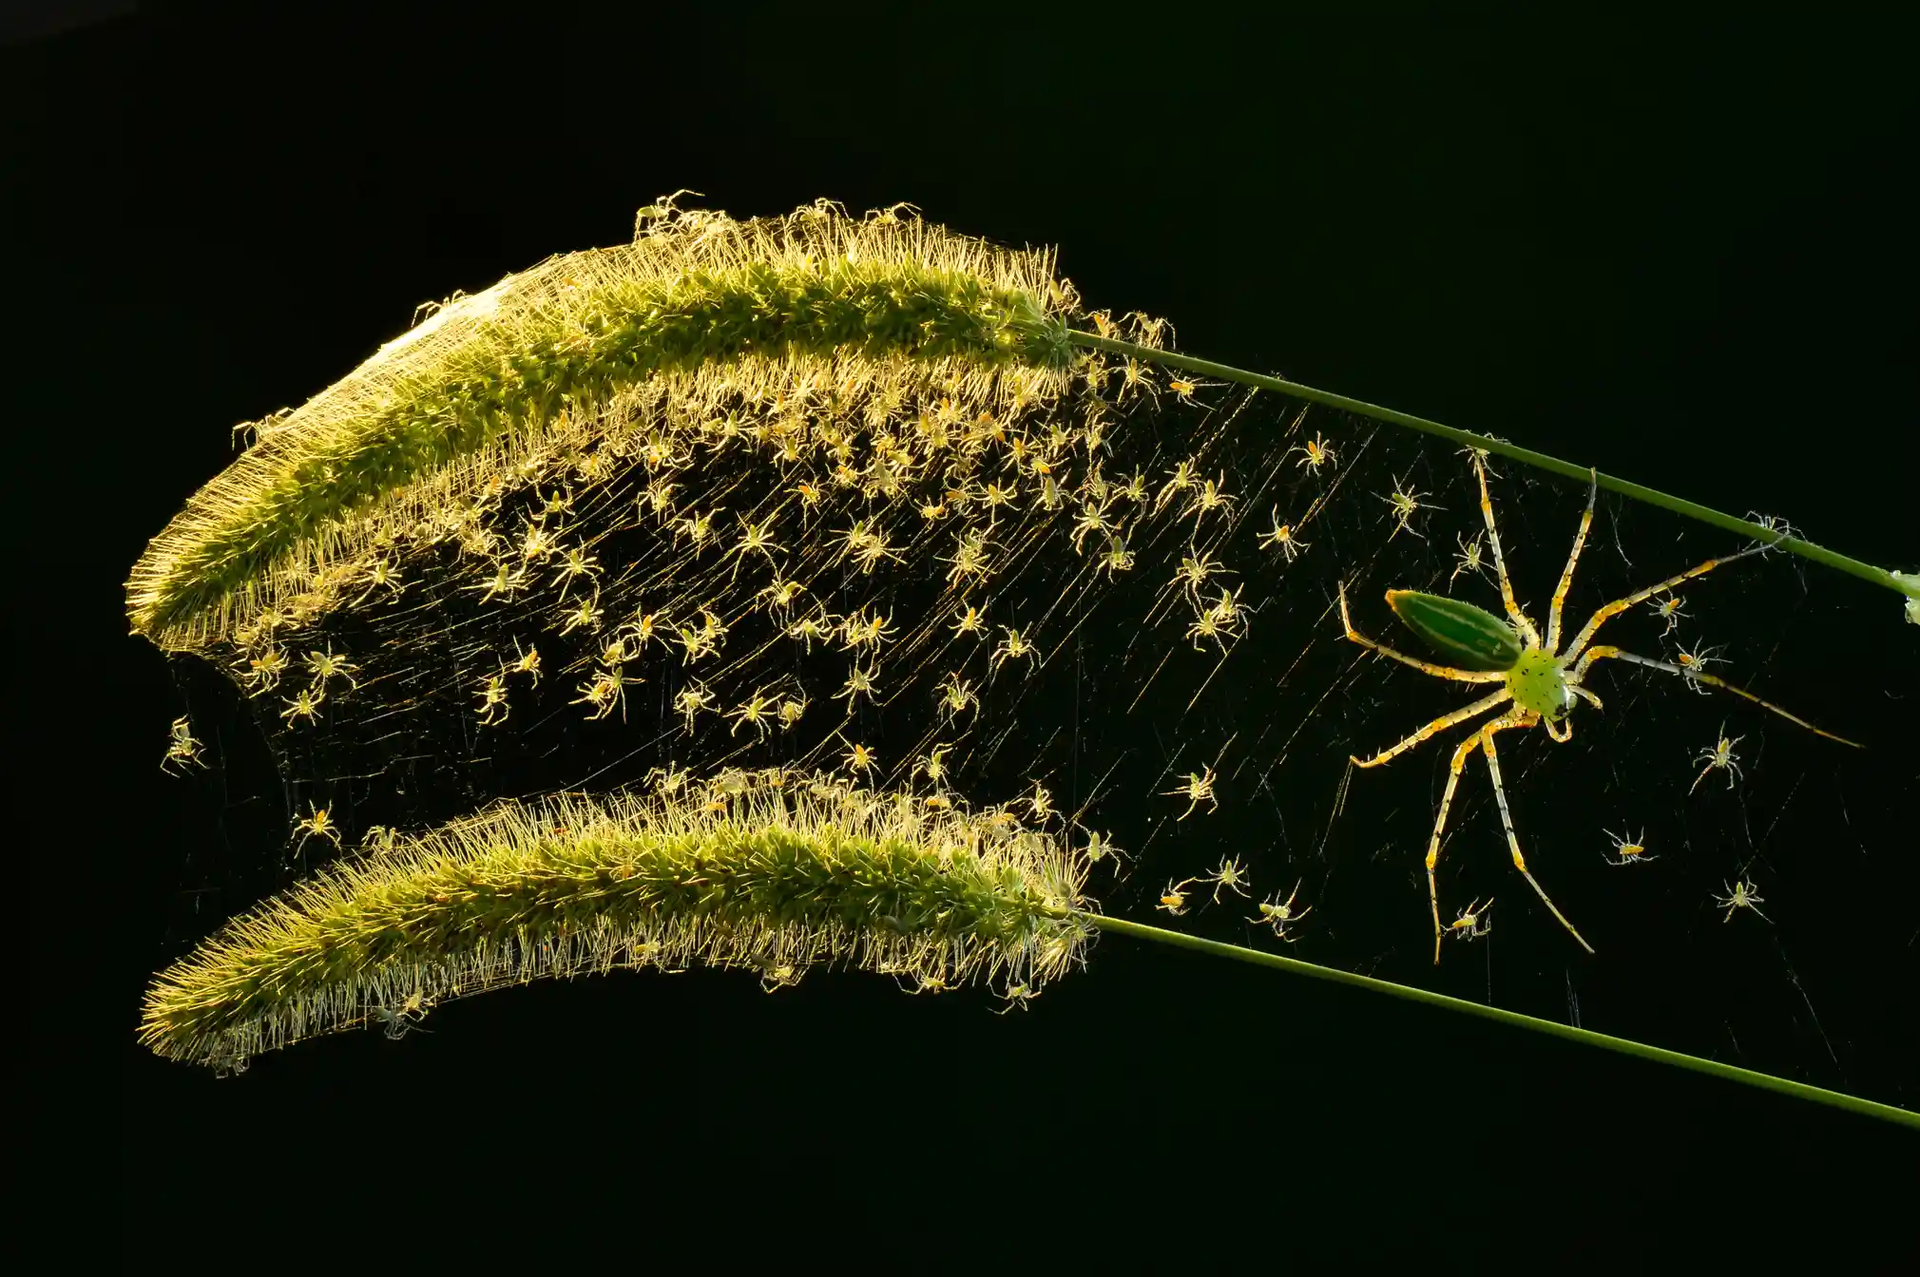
{"x": 1678, "y": 251}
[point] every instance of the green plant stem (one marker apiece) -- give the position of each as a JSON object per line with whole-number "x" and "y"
{"x": 1639, "y": 492}
{"x": 1766, "y": 1082}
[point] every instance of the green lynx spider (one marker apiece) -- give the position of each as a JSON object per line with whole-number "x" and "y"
{"x": 1539, "y": 679}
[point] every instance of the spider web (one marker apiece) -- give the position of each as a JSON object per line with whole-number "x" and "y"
{"x": 1124, "y": 701}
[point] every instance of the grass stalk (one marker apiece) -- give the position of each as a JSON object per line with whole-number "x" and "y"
{"x": 1567, "y": 1032}
{"x": 1764, "y": 533}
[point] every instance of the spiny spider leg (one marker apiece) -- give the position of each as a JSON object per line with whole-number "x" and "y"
{"x": 1603, "y": 652}
{"x": 1438, "y": 725}
{"x": 1608, "y": 610}
{"x": 1483, "y": 739}
{"x": 1566, "y": 578}
{"x": 1519, "y": 618}
{"x": 1513, "y": 841}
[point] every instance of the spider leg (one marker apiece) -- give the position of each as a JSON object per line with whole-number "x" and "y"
{"x": 1440, "y": 724}
{"x": 1506, "y": 819}
{"x": 1603, "y": 651}
{"x": 1566, "y": 578}
{"x": 1425, "y": 667}
{"x": 1519, "y": 618}
{"x": 1608, "y": 610}
{"x": 1460, "y": 755}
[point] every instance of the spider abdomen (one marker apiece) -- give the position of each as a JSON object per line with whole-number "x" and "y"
{"x": 1468, "y": 637}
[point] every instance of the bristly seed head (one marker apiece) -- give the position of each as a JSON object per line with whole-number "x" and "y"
{"x": 747, "y": 871}
{"x": 698, "y": 311}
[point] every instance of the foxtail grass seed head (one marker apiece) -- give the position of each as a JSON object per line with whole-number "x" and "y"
{"x": 702, "y": 315}
{"x": 770, "y": 873}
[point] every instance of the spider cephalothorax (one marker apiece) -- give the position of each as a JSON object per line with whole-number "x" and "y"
{"x": 1538, "y": 681}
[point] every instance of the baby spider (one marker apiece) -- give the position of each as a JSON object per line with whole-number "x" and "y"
{"x": 305, "y": 705}
{"x": 668, "y": 780}
{"x": 1148, "y": 329}
{"x": 1184, "y": 386}
{"x": 607, "y": 689}
{"x": 690, "y": 700}
{"x": 1134, "y": 379}
{"x": 1099, "y": 847}
{"x": 587, "y": 615}
{"x": 325, "y": 665}
{"x": 319, "y": 823}
{"x": 381, "y": 574}
{"x": 1670, "y": 611}
{"x": 577, "y": 563}
{"x": 1280, "y": 537}
{"x": 969, "y": 620}
{"x": 1480, "y": 458}
{"x": 1195, "y": 567}
{"x": 934, "y": 765}
{"x": 1093, "y": 518}
{"x": 754, "y": 712}
{"x": 1018, "y": 995}
{"x": 396, "y": 1022}
{"x": 969, "y": 558}
{"x": 1468, "y": 560}
{"x": 538, "y": 545}
{"x": 501, "y": 584}
{"x": 1231, "y": 874}
{"x": 1212, "y": 496}
{"x": 1627, "y": 851}
{"x": 1694, "y": 663}
{"x": 1197, "y": 790}
{"x": 1740, "y": 896}
{"x": 956, "y": 697}
{"x": 264, "y": 671}
{"x": 493, "y": 699}
{"x": 861, "y": 630}
{"x": 1405, "y": 504}
{"x": 776, "y": 976}
{"x": 755, "y": 538}
{"x": 527, "y": 662}
{"x": 696, "y": 528}
{"x": 780, "y": 595}
{"x": 1280, "y": 916}
{"x": 1536, "y": 682}
{"x": 1014, "y": 646}
{"x": 808, "y": 628}
{"x": 1473, "y": 921}
{"x": 1313, "y": 454}
{"x": 860, "y": 759}
{"x": 1216, "y": 623}
{"x": 182, "y": 749}
{"x": 646, "y": 627}
{"x": 1174, "y": 898}
{"x": 859, "y": 683}
{"x": 1721, "y": 755}
{"x": 1115, "y": 558}
{"x": 1179, "y": 479}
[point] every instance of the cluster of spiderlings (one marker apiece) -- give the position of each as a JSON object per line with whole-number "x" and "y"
{"x": 770, "y": 871}
{"x": 762, "y": 581}
{"x": 813, "y": 559}
{"x": 698, "y": 308}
